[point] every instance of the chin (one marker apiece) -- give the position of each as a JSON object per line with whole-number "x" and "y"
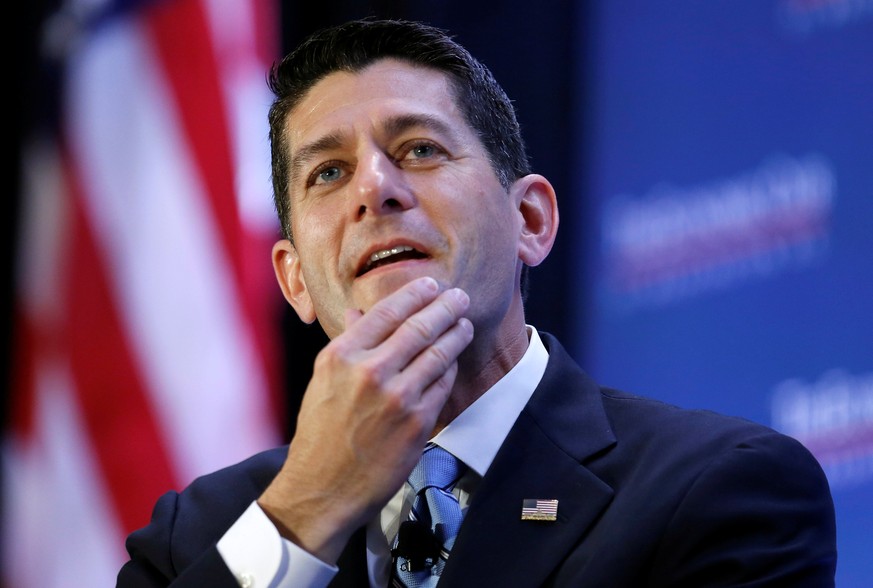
{"x": 374, "y": 286}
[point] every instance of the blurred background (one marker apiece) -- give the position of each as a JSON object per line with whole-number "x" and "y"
{"x": 714, "y": 168}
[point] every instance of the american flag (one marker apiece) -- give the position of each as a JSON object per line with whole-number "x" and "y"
{"x": 146, "y": 307}
{"x": 539, "y": 510}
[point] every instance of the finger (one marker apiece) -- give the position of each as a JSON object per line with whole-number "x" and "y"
{"x": 434, "y": 397}
{"x": 422, "y": 329}
{"x": 427, "y": 370}
{"x": 388, "y": 314}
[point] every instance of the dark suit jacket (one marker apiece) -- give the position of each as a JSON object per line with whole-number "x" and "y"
{"x": 649, "y": 495}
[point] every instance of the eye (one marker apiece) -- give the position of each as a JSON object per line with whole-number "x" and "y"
{"x": 421, "y": 150}
{"x": 325, "y": 173}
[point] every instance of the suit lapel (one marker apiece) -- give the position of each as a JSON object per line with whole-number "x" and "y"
{"x": 542, "y": 458}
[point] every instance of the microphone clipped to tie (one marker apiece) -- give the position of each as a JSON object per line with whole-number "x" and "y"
{"x": 426, "y": 539}
{"x": 417, "y": 545}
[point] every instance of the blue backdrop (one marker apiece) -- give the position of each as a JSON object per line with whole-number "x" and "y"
{"x": 728, "y": 171}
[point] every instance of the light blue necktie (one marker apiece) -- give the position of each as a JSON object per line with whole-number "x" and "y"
{"x": 434, "y": 508}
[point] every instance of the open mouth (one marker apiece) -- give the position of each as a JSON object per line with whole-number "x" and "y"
{"x": 387, "y": 256}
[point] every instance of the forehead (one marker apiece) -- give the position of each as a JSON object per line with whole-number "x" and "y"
{"x": 346, "y": 102}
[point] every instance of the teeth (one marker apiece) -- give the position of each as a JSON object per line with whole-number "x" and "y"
{"x": 388, "y": 252}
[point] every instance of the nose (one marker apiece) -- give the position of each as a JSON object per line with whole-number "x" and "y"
{"x": 379, "y": 186}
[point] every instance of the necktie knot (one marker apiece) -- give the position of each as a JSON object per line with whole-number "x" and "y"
{"x": 437, "y": 468}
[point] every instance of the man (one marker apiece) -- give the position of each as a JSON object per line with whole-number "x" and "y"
{"x": 409, "y": 216}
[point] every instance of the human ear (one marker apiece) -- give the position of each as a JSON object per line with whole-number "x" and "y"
{"x": 286, "y": 264}
{"x": 538, "y": 207}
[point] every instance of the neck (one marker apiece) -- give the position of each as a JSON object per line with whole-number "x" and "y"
{"x": 489, "y": 358}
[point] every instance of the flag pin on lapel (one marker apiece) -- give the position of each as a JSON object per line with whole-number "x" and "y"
{"x": 536, "y": 509}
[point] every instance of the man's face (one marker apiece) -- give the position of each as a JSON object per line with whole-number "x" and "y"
{"x": 389, "y": 183}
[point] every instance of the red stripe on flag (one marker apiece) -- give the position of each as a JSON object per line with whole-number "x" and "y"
{"x": 181, "y": 39}
{"x": 266, "y": 15}
{"x": 185, "y": 48}
{"x": 259, "y": 281}
{"x": 124, "y": 431}
{"x": 26, "y": 347}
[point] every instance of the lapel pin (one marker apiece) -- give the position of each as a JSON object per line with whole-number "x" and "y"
{"x": 535, "y": 509}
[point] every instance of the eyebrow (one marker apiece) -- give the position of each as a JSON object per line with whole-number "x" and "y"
{"x": 392, "y": 126}
{"x": 395, "y": 125}
{"x": 311, "y": 150}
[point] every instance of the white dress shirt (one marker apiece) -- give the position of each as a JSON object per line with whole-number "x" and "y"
{"x": 259, "y": 557}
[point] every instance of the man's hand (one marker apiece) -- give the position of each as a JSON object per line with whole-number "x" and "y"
{"x": 374, "y": 397}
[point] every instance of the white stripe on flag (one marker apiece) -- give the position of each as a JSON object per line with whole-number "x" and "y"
{"x": 172, "y": 280}
{"x": 184, "y": 315}
{"x": 57, "y": 492}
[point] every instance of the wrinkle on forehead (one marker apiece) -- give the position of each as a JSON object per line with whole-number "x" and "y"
{"x": 392, "y": 126}
{"x": 402, "y": 97}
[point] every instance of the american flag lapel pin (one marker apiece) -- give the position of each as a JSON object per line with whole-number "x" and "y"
{"x": 537, "y": 509}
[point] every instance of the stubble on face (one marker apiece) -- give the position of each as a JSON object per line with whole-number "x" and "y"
{"x": 458, "y": 214}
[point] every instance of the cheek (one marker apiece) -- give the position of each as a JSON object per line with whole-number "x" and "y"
{"x": 317, "y": 232}
{"x": 318, "y": 255}
{"x": 327, "y": 303}
{"x": 489, "y": 246}
{"x": 497, "y": 223}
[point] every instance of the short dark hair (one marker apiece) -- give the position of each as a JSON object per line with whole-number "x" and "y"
{"x": 352, "y": 47}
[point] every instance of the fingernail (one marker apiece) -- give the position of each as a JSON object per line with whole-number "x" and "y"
{"x": 430, "y": 284}
{"x": 465, "y": 324}
{"x": 461, "y": 296}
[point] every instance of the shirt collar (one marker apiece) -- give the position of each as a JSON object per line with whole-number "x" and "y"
{"x": 476, "y": 434}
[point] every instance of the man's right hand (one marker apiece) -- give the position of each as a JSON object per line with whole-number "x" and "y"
{"x": 375, "y": 394}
